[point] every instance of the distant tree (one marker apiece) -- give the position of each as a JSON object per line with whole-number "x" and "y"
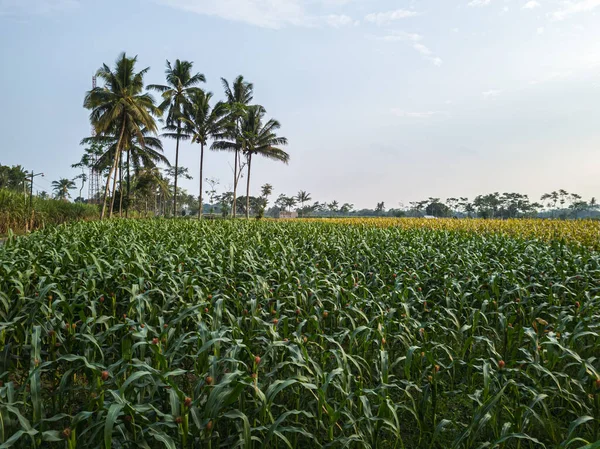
{"x": 513, "y": 205}
{"x": 346, "y": 208}
{"x": 203, "y": 122}
{"x": 380, "y": 208}
{"x": 266, "y": 190}
{"x": 452, "y": 204}
{"x": 333, "y": 206}
{"x": 290, "y": 202}
{"x": 181, "y": 84}
{"x": 550, "y": 199}
{"x": 12, "y": 177}
{"x": 487, "y": 205}
{"x": 578, "y": 206}
{"x": 83, "y": 177}
{"x": 238, "y": 96}
{"x": 61, "y": 188}
{"x": 225, "y": 203}
{"x": 43, "y": 195}
{"x": 302, "y": 198}
{"x": 260, "y": 138}
{"x": 465, "y": 206}
{"x": 318, "y": 207}
{"x": 437, "y": 209}
{"x": 212, "y": 192}
{"x": 563, "y": 196}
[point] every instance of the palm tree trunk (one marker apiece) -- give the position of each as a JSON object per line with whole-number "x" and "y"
{"x": 248, "y": 187}
{"x": 120, "y": 187}
{"x": 128, "y": 185}
{"x": 176, "y": 168}
{"x": 112, "y": 168}
{"x": 114, "y": 187}
{"x": 235, "y": 181}
{"x": 200, "y": 193}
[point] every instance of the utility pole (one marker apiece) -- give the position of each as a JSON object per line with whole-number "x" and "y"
{"x": 33, "y": 175}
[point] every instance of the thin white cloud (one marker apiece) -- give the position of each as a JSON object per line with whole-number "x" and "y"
{"x": 540, "y": 30}
{"x": 383, "y": 18}
{"x": 401, "y": 36}
{"x": 491, "y": 93}
{"x": 573, "y": 7}
{"x": 20, "y": 7}
{"x": 479, "y": 2}
{"x": 412, "y": 114}
{"x": 397, "y": 36}
{"x": 338, "y": 21}
{"x": 427, "y": 53}
{"x": 532, "y": 4}
{"x": 273, "y": 14}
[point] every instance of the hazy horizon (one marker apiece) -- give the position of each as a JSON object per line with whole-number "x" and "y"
{"x": 381, "y": 100}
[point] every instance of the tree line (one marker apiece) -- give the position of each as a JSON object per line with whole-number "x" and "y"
{"x": 127, "y": 148}
{"x": 150, "y": 184}
{"x": 556, "y": 204}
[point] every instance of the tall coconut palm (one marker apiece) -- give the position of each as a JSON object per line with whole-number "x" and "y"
{"x": 260, "y": 139}
{"x": 62, "y": 187}
{"x": 303, "y": 197}
{"x": 238, "y": 97}
{"x": 175, "y": 94}
{"x": 202, "y": 123}
{"x": 120, "y": 109}
{"x": 253, "y": 137}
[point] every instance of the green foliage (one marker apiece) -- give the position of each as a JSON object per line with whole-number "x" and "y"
{"x": 189, "y": 334}
{"x": 15, "y": 213}
{"x": 12, "y": 177}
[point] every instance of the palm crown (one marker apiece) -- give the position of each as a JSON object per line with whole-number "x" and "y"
{"x": 181, "y": 84}
{"x": 254, "y": 136}
{"x": 120, "y": 109}
{"x": 203, "y": 122}
{"x": 62, "y": 187}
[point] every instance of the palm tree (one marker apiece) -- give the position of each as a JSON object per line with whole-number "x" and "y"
{"x": 147, "y": 153}
{"x": 266, "y": 190}
{"x": 119, "y": 108}
{"x": 260, "y": 139}
{"x": 238, "y": 97}
{"x": 333, "y": 206}
{"x": 83, "y": 177}
{"x": 204, "y": 122}
{"x": 176, "y": 97}
{"x": 62, "y": 187}
{"x": 346, "y": 208}
{"x": 303, "y": 197}
{"x": 290, "y": 202}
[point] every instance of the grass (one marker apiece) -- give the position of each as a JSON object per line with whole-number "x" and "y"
{"x": 178, "y": 333}
{"x": 17, "y": 216}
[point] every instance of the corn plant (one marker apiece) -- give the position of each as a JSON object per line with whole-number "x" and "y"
{"x": 308, "y": 334}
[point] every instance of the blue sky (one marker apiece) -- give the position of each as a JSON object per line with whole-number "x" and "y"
{"x": 381, "y": 100}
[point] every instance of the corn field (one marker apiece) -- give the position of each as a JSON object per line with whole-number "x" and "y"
{"x": 307, "y": 334}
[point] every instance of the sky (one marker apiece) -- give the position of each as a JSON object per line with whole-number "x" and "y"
{"x": 381, "y": 100}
